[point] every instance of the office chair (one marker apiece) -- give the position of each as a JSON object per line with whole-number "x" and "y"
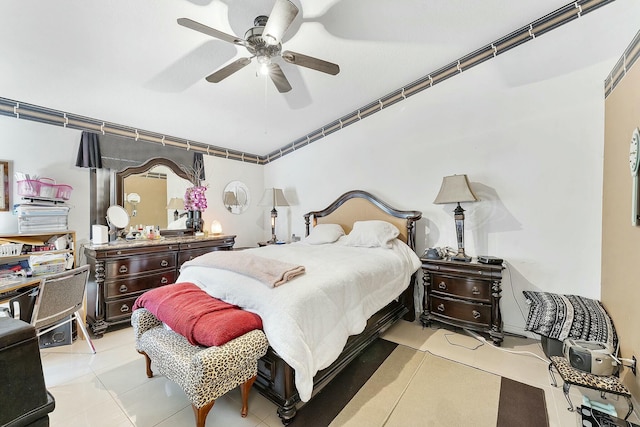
{"x": 58, "y": 300}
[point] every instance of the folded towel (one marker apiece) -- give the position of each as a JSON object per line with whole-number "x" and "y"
{"x": 194, "y": 314}
{"x": 269, "y": 271}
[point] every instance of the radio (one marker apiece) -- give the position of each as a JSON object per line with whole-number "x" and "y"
{"x": 590, "y": 356}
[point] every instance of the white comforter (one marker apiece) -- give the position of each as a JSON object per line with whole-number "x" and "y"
{"x": 308, "y": 320}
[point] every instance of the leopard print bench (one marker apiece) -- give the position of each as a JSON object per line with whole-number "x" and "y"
{"x": 204, "y": 373}
{"x": 602, "y": 383}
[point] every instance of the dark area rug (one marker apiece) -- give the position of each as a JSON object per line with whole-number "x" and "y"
{"x": 327, "y": 404}
{"x": 521, "y": 405}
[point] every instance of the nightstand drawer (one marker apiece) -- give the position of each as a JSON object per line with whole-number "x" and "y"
{"x": 479, "y": 314}
{"x": 461, "y": 287}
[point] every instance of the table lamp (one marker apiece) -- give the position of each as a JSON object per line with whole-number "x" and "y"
{"x": 273, "y": 197}
{"x": 456, "y": 189}
{"x": 175, "y": 203}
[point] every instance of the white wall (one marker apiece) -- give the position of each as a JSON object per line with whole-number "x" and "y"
{"x": 48, "y": 151}
{"x": 529, "y": 135}
{"x": 249, "y": 226}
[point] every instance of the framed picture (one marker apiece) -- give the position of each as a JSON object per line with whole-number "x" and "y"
{"x": 5, "y": 186}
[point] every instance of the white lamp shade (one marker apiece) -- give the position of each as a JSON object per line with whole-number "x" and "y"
{"x": 455, "y": 189}
{"x": 175, "y": 203}
{"x": 273, "y": 197}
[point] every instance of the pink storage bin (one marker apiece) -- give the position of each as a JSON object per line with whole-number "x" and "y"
{"x": 64, "y": 191}
{"x": 29, "y": 188}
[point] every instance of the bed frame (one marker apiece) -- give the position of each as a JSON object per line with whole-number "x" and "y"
{"x": 275, "y": 377}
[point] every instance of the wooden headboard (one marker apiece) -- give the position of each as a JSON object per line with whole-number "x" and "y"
{"x": 358, "y": 205}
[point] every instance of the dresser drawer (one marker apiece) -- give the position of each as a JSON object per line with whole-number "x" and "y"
{"x": 189, "y": 255}
{"x": 119, "y": 288}
{"x": 476, "y": 313}
{"x": 119, "y": 309}
{"x": 139, "y": 264}
{"x": 458, "y": 286}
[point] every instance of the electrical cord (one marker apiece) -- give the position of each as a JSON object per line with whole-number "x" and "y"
{"x": 483, "y": 340}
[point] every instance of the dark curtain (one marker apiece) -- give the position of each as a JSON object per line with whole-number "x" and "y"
{"x": 89, "y": 151}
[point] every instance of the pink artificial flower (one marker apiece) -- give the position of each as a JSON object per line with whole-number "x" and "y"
{"x": 195, "y": 199}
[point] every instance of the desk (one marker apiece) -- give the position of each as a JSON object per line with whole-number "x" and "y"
{"x": 9, "y": 286}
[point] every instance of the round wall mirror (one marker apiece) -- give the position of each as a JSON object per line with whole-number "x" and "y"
{"x": 236, "y": 197}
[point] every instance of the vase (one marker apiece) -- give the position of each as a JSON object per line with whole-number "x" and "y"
{"x": 198, "y": 222}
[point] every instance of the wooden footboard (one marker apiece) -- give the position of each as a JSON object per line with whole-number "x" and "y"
{"x": 276, "y": 379}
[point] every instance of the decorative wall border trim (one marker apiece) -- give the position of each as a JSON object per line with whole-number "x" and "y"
{"x": 619, "y": 71}
{"x": 529, "y": 32}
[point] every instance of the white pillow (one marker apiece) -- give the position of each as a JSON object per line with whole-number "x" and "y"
{"x": 371, "y": 234}
{"x": 324, "y": 233}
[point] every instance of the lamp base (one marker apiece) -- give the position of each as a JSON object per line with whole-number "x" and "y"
{"x": 461, "y": 256}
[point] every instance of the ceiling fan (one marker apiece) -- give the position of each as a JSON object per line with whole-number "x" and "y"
{"x": 263, "y": 41}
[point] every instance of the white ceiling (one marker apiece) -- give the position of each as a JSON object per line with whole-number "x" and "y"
{"x": 129, "y": 62}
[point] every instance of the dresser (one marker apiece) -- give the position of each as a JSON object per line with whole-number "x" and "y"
{"x": 121, "y": 271}
{"x": 463, "y": 294}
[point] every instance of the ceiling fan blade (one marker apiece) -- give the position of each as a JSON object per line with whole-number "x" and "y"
{"x": 191, "y": 24}
{"x": 310, "y": 62}
{"x": 278, "y": 78}
{"x": 282, "y": 15}
{"x": 225, "y": 72}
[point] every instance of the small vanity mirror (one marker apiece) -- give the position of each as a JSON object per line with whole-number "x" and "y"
{"x": 117, "y": 218}
{"x": 152, "y": 193}
{"x": 236, "y": 197}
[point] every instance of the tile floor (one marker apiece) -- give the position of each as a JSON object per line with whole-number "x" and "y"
{"x": 111, "y": 389}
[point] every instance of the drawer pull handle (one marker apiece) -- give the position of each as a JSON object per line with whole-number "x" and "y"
{"x": 164, "y": 280}
{"x": 124, "y": 308}
{"x": 164, "y": 263}
{"x": 123, "y": 269}
{"x": 475, "y": 314}
{"x": 440, "y": 307}
{"x": 123, "y": 288}
{"x": 442, "y": 285}
{"x": 475, "y": 290}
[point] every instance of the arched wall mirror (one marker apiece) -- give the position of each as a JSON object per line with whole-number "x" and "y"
{"x": 152, "y": 193}
{"x": 236, "y": 197}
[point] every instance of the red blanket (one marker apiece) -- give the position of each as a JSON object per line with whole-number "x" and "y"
{"x": 194, "y": 314}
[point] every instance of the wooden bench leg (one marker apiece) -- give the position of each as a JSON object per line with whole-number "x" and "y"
{"x": 244, "y": 390}
{"x": 201, "y": 413}
{"x": 148, "y": 360}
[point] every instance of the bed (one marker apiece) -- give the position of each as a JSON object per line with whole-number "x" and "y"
{"x": 307, "y": 350}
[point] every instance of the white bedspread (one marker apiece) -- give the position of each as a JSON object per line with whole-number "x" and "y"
{"x": 308, "y": 320}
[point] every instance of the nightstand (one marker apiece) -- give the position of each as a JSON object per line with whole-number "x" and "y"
{"x": 463, "y": 294}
